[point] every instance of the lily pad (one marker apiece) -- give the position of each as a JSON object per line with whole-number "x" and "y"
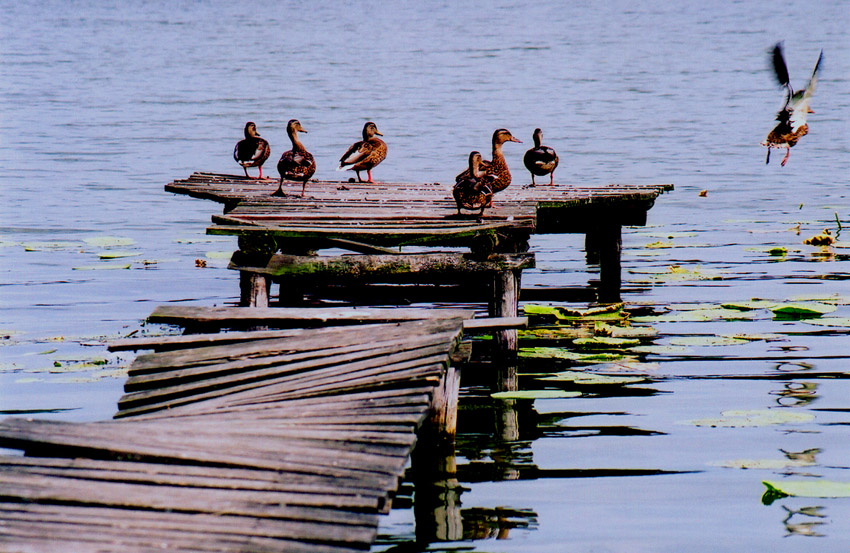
{"x": 804, "y": 488}
{"x": 843, "y": 322}
{"x": 601, "y": 342}
{"x": 749, "y": 305}
{"x": 535, "y": 394}
{"x": 803, "y": 309}
{"x": 754, "y": 418}
{"x": 116, "y": 254}
{"x": 103, "y": 266}
{"x": 49, "y": 246}
{"x": 764, "y": 464}
{"x": 560, "y": 353}
{"x": 592, "y": 379}
{"x": 660, "y": 350}
{"x": 109, "y": 241}
{"x": 707, "y": 341}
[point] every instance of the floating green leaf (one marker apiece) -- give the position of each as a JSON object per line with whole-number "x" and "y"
{"x": 843, "y": 322}
{"x": 749, "y": 305}
{"x": 601, "y": 342}
{"x": 115, "y": 254}
{"x": 754, "y": 417}
{"x": 803, "y": 309}
{"x": 707, "y": 341}
{"x": 109, "y": 241}
{"x": 756, "y": 337}
{"x": 535, "y": 394}
{"x": 49, "y": 246}
{"x": 804, "y": 488}
{"x": 102, "y": 266}
{"x": 592, "y": 379}
{"x": 560, "y": 353}
{"x": 659, "y": 350}
{"x": 764, "y": 464}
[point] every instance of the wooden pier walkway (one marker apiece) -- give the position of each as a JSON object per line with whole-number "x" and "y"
{"x": 279, "y": 236}
{"x": 278, "y": 440}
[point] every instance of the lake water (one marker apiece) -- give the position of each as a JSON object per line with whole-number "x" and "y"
{"x": 104, "y": 103}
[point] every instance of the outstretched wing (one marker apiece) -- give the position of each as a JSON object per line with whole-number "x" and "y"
{"x": 800, "y": 106}
{"x": 779, "y": 66}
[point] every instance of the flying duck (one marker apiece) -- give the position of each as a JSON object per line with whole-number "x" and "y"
{"x": 792, "y": 117}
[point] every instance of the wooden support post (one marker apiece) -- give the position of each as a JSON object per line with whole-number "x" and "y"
{"x": 254, "y": 289}
{"x": 442, "y": 421}
{"x": 504, "y": 303}
{"x": 610, "y": 242}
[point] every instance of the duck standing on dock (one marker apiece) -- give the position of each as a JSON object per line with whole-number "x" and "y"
{"x": 497, "y": 166}
{"x": 475, "y": 190}
{"x": 365, "y": 154}
{"x": 792, "y": 117}
{"x": 541, "y": 160}
{"x": 253, "y": 150}
{"x": 296, "y": 164}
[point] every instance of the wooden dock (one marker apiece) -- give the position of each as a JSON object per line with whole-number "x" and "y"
{"x": 279, "y": 440}
{"x": 280, "y": 236}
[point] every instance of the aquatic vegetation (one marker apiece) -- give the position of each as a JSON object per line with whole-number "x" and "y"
{"x": 604, "y": 342}
{"x": 562, "y": 353}
{"x": 109, "y": 241}
{"x": 754, "y": 418}
{"x": 535, "y": 394}
{"x": 707, "y": 341}
{"x": 590, "y": 379}
{"x": 764, "y": 464}
{"x": 103, "y": 266}
{"x": 803, "y": 488}
{"x": 843, "y": 322}
{"x": 115, "y": 254}
{"x": 802, "y": 309}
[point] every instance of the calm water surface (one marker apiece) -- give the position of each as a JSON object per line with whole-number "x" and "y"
{"x": 104, "y": 103}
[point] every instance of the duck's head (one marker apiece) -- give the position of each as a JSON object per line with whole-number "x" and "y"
{"x": 538, "y": 137}
{"x": 251, "y": 129}
{"x": 474, "y": 162}
{"x": 294, "y": 126}
{"x": 370, "y": 129}
{"x": 500, "y": 136}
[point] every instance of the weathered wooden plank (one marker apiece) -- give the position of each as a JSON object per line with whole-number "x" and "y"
{"x": 178, "y": 366}
{"x": 372, "y": 267}
{"x": 182, "y": 315}
{"x": 486, "y": 324}
{"x": 190, "y": 475}
{"x": 46, "y": 526}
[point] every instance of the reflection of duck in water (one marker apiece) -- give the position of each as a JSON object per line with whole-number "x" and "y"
{"x": 792, "y": 124}
{"x": 473, "y": 188}
{"x": 540, "y": 160}
{"x": 365, "y": 154}
{"x": 296, "y": 164}
{"x": 252, "y": 151}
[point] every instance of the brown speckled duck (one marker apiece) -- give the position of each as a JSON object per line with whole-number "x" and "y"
{"x": 475, "y": 190}
{"x": 296, "y": 164}
{"x": 541, "y": 160}
{"x": 365, "y": 154}
{"x": 497, "y": 166}
{"x": 792, "y": 124}
{"x": 252, "y": 151}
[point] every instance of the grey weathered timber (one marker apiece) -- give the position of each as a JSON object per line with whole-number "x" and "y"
{"x": 275, "y": 440}
{"x": 373, "y": 218}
